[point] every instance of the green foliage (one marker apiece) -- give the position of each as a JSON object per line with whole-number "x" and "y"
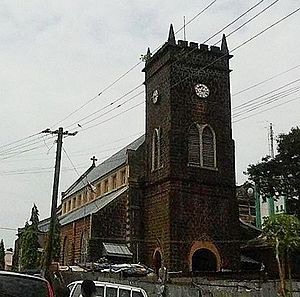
{"x": 280, "y": 175}
{"x": 56, "y": 240}
{"x": 283, "y": 233}
{"x": 2, "y": 255}
{"x": 29, "y": 246}
{"x": 285, "y": 228}
{"x": 30, "y": 242}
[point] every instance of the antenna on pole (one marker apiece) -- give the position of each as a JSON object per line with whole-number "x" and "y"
{"x": 184, "y": 33}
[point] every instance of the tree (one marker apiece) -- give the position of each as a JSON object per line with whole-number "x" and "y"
{"x": 280, "y": 176}
{"x": 30, "y": 242}
{"x": 283, "y": 233}
{"x": 2, "y": 255}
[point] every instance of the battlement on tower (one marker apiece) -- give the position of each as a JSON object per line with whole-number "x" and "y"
{"x": 197, "y": 46}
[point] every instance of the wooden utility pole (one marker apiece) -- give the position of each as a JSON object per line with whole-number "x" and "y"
{"x": 272, "y": 140}
{"x": 53, "y": 217}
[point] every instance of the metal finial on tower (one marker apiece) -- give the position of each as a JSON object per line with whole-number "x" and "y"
{"x": 224, "y": 47}
{"x": 171, "y": 38}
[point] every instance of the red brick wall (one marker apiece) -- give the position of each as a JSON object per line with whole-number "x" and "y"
{"x": 72, "y": 233}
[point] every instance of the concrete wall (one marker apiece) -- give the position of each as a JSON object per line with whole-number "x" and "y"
{"x": 199, "y": 287}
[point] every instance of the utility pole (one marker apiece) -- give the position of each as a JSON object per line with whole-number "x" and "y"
{"x": 53, "y": 217}
{"x": 272, "y": 140}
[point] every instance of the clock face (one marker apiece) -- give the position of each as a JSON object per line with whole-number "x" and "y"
{"x": 155, "y": 96}
{"x": 201, "y": 90}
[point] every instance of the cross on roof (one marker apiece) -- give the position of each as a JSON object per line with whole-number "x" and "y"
{"x": 94, "y": 159}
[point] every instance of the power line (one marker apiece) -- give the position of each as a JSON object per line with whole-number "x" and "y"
{"x": 266, "y": 101}
{"x": 128, "y": 71}
{"x": 187, "y": 77}
{"x": 121, "y": 113}
{"x": 197, "y": 15}
{"x": 244, "y": 43}
{"x": 268, "y": 93}
{"x": 264, "y": 81}
{"x": 19, "y": 140}
{"x": 106, "y": 106}
{"x": 248, "y": 21}
{"x": 234, "y": 21}
{"x": 267, "y": 28}
{"x": 82, "y": 152}
{"x": 26, "y": 144}
{"x": 244, "y": 118}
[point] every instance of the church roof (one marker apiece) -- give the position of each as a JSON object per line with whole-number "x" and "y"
{"x": 91, "y": 208}
{"x": 105, "y": 167}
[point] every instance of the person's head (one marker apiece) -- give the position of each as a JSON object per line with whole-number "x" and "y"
{"x": 88, "y": 288}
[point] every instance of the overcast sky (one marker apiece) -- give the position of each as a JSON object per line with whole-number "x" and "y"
{"x": 56, "y": 56}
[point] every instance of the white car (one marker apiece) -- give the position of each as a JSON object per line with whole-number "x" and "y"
{"x": 105, "y": 289}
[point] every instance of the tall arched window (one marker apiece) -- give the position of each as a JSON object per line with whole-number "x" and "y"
{"x": 201, "y": 146}
{"x": 208, "y": 147}
{"x": 194, "y": 145}
{"x": 156, "y": 149}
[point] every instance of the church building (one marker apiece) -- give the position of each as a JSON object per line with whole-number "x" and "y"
{"x": 168, "y": 198}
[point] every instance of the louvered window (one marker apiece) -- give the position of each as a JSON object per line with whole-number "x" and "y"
{"x": 194, "y": 145}
{"x": 208, "y": 148}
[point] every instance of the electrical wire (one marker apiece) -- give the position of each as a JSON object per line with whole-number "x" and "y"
{"x": 83, "y": 152}
{"x": 105, "y": 107}
{"x": 26, "y": 144}
{"x": 244, "y": 118}
{"x": 266, "y": 101}
{"x": 248, "y": 21}
{"x": 187, "y": 77}
{"x": 265, "y": 94}
{"x": 19, "y": 140}
{"x": 239, "y": 46}
{"x": 128, "y": 71}
{"x": 264, "y": 81}
{"x": 234, "y": 21}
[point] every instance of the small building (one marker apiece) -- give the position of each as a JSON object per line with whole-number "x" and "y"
{"x": 246, "y": 203}
{"x": 8, "y": 259}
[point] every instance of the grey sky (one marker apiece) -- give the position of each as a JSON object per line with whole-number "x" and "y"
{"x": 57, "y": 55}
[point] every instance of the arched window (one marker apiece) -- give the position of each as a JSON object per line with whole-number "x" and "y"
{"x": 156, "y": 149}
{"x": 208, "y": 147}
{"x": 194, "y": 145}
{"x": 201, "y": 146}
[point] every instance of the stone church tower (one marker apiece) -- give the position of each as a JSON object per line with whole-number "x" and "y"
{"x": 190, "y": 217}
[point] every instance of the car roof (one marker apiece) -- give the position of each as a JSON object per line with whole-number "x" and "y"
{"x": 108, "y": 283}
{"x": 9, "y": 273}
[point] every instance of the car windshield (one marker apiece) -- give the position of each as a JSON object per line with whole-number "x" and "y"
{"x": 16, "y": 286}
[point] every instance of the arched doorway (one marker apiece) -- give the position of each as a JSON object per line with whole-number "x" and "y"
{"x": 157, "y": 260}
{"x": 204, "y": 256}
{"x": 204, "y": 260}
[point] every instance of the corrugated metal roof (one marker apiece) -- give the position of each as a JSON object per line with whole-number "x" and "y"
{"x": 117, "y": 250}
{"x": 90, "y": 208}
{"x": 108, "y": 165}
